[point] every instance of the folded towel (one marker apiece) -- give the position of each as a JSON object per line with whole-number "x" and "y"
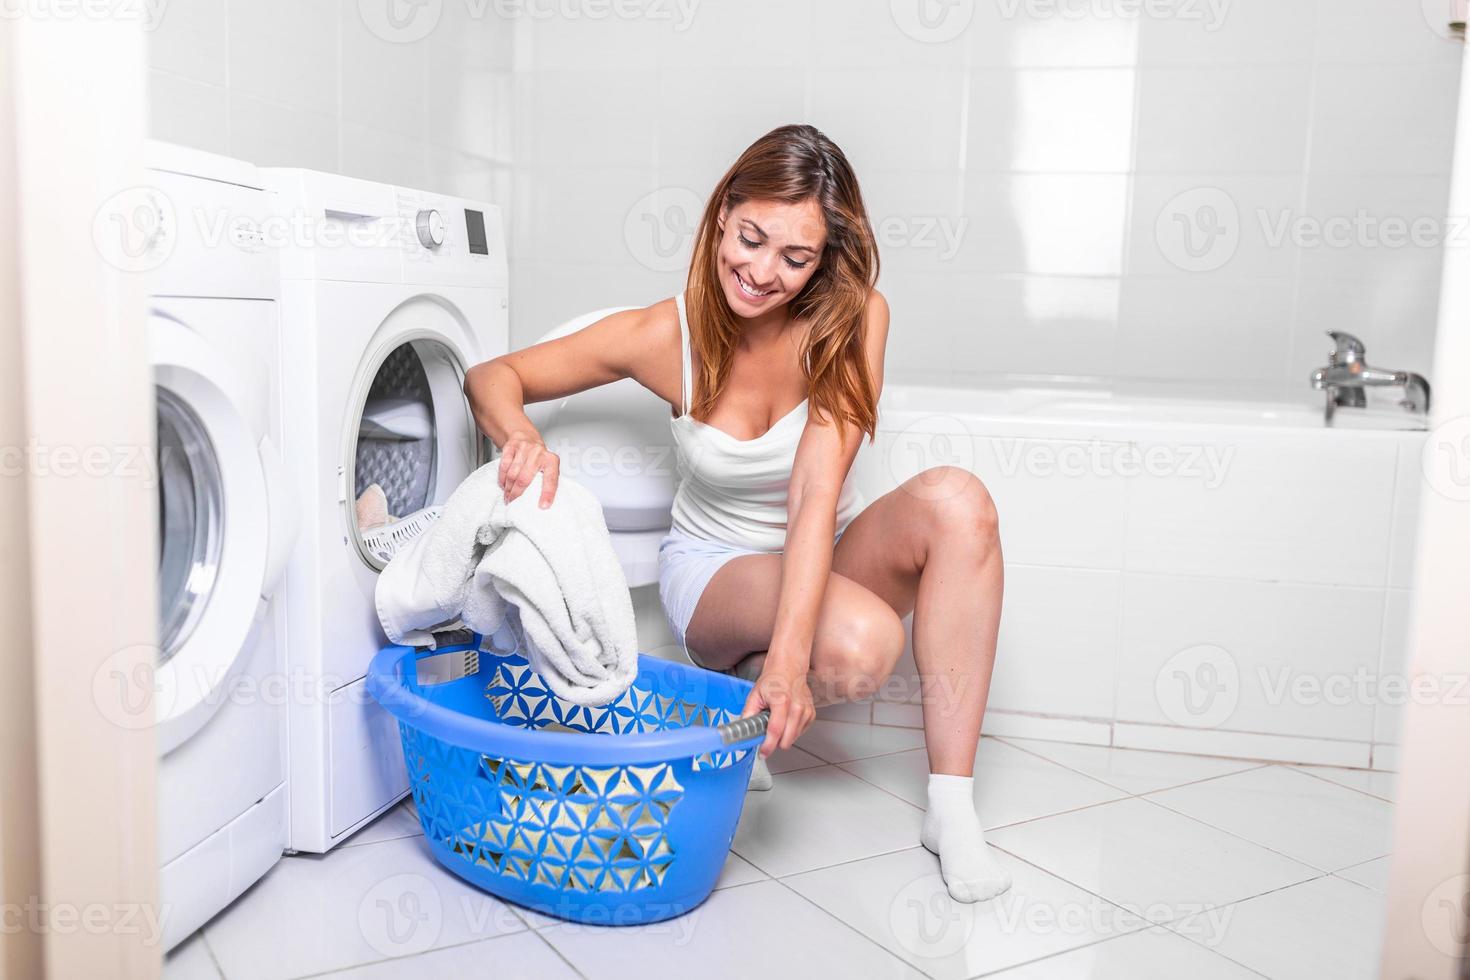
{"x": 554, "y": 567}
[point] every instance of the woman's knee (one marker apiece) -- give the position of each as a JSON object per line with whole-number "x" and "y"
{"x": 854, "y": 657}
{"x": 966, "y": 511}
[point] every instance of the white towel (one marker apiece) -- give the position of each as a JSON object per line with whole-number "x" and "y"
{"x": 555, "y": 566}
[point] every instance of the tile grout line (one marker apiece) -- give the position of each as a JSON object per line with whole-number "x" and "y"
{"x": 840, "y": 921}
{"x": 1297, "y": 767}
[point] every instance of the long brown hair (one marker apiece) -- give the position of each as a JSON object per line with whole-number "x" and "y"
{"x": 792, "y": 164}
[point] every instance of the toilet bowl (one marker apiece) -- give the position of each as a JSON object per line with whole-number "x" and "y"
{"x": 616, "y": 441}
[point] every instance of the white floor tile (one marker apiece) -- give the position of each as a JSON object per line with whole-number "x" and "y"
{"x": 899, "y": 901}
{"x": 1146, "y": 858}
{"x": 521, "y": 956}
{"x": 837, "y": 741}
{"x": 1153, "y": 954}
{"x": 792, "y": 759}
{"x": 1312, "y": 820}
{"x": 1323, "y": 928}
{"x": 819, "y": 817}
{"x": 354, "y": 906}
{"x": 1371, "y": 874}
{"x": 190, "y": 960}
{"x": 1370, "y": 781}
{"x": 764, "y": 929}
{"x": 1133, "y": 770}
{"x": 1010, "y": 785}
{"x": 401, "y": 821}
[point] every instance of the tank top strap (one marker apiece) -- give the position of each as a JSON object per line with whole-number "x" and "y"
{"x": 686, "y": 364}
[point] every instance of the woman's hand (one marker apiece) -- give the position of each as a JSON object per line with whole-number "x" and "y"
{"x": 782, "y": 688}
{"x": 520, "y": 460}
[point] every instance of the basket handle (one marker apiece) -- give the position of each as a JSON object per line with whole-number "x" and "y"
{"x": 744, "y": 729}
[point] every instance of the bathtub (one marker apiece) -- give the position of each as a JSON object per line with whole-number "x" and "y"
{"x": 1202, "y": 574}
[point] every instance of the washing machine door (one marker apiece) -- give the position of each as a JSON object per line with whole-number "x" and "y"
{"x": 215, "y": 529}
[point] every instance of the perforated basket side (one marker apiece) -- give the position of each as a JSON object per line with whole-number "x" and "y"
{"x": 386, "y": 541}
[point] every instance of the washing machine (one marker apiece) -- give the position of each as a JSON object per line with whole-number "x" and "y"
{"x": 388, "y": 296}
{"x": 226, "y": 528}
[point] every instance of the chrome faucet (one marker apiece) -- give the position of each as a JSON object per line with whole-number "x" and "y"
{"x": 1347, "y": 374}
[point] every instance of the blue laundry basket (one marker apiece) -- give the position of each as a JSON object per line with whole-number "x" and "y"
{"x": 614, "y": 815}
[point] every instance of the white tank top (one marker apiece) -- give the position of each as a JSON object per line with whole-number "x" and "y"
{"x": 734, "y": 490}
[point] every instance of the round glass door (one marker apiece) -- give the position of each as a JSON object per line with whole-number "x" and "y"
{"x": 412, "y": 443}
{"x": 190, "y": 521}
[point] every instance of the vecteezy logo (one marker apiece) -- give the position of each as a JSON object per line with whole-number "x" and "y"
{"x": 1199, "y": 230}
{"x": 401, "y": 915}
{"x": 135, "y": 229}
{"x": 1445, "y": 916}
{"x": 127, "y": 691}
{"x": 932, "y": 21}
{"x": 939, "y": 451}
{"x": 1446, "y": 459}
{"x": 660, "y": 227}
{"x": 1444, "y": 17}
{"x": 927, "y": 922}
{"x": 1198, "y": 687}
{"x": 400, "y": 21}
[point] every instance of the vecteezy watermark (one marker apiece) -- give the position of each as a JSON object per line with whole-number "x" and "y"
{"x": 401, "y": 915}
{"x": 1446, "y": 459}
{"x": 93, "y": 918}
{"x": 1361, "y": 686}
{"x": 135, "y": 230}
{"x": 1362, "y": 229}
{"x": 1198, "y": 687}
{"x": 1210, "y": 14}
{"x": 70, "y": 462}
{"x": 407, "y": 21}
{"x": 1445, "y": 916}
{"x": 148, "y": 13}
{"x": 401, "y": 21}
{"x": 1199, "y": 230}
{"x": 940, "y": 234}
{"x": 927, "y": 922}
{"x": 932, "y": 21}
{"x": 1445, "y": 17}
{"x": 659, "y": 228}
{"x": 928, "y": 455}
{"x": 1207, "y": 464}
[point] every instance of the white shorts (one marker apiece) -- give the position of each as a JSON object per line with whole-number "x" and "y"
{"x": 685, "y": 566}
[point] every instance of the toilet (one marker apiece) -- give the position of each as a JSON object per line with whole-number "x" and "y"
{"x": 616, "y": 441}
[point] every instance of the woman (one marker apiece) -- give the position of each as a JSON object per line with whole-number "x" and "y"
{"x": 772, "y": 361}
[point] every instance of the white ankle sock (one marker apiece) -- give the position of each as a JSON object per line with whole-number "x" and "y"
{"x": 760, "y": 775}
{"x": 953, "y": 831}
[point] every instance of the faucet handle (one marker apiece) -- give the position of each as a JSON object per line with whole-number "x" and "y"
{"x": 1345, "y": 347}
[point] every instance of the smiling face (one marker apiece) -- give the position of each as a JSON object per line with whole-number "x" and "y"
{"x": 768, "y": 252}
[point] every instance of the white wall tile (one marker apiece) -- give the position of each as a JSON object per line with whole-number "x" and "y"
{"x": 1058, "y": 121}
{"x": 1051, "y": 664}
{"x": 891, "y": 119}
{"x": 375, "y": 154}
{"x": 593, "y": 118}
{"x": 1395, "y": 119}
{"x": 383, "y": 83}
{"x": 1407, "y": 489}
{"x": 1237, "y": 32}
{"x": 182, "y": 110}
{"x": 1022, "y": 35}
{"x": 1212, "y": 225}
{"x": 191, "y": 39}
{"x": 1270, "y": 507}
{"x": 1395, "y": 688}
{"x": 1046, "y": 224}
{"x": 579, "y": 214}
{"x": 1233, "y": 120}
{"x": 1248, "y": 680}
{"x": 1367, "y": 32}
{"x": 286, "y": 51}
{"x": 1234, "y": 332}
{"x": 273, "y": 135}
{"x": 881, "y": 34}
{"x": 1386, "y": 228}
{"x": 725, "y": 36}
{"x": 707, "y": 118}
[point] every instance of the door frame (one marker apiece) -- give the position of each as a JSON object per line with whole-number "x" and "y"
{"x": 78, "y": 810}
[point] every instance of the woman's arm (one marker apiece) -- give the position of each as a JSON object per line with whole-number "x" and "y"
{"x": 617, "y": 346}
{"x": 823, "y": 458}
